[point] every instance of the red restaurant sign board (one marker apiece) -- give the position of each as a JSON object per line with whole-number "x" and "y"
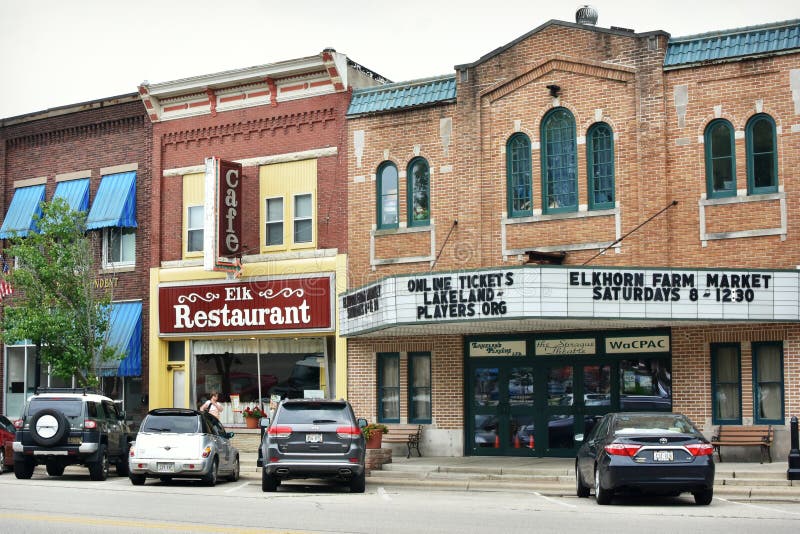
{"x": 275, "y": 305}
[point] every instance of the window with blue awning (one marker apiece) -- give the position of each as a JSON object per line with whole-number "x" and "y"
{"x": 25, "y": 204}
{"x": 125, "y": 333}
{"x": 115, "y": 202}
{"x": 75, "y": 192}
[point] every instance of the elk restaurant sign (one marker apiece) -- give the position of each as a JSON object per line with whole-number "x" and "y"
{"x": 571, "y": 293}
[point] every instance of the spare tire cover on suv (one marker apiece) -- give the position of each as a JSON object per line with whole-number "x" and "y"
{"x": 48, "y": 427}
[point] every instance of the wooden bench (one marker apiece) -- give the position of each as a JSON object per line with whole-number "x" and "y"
{"x": 406, "y": 434}
{"x": 745, "y": 436}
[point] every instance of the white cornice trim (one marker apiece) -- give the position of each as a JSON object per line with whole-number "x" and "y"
{"x": 261, "y": 160}
{"x": 29, "y": 182}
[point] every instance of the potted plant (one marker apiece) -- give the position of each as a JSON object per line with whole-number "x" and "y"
{"x": 251, "y": 416}
{"x": 373, "y": 433}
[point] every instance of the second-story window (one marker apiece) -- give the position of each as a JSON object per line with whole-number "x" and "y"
{"x": 119, "y": 247}
{"x": 274, "y": 210}
{"x": 720, "y": 159}
{"x": 559, "y": 162}
{"x": 518, "y": 175}
{"x": 600, "y": 162}
{"x": 388, "y": 195}
{"x": 194, "y": 228}
{"x": 419, "y": 191}
{"x": 762, "y": 155}
{"x": 303, "y": 218}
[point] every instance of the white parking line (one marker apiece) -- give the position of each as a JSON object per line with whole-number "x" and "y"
{"x": 758, "y": 506}
{"x": 382, "y": 493}
{"x": 235, "y": 488}
{"x": 545, "y": 497}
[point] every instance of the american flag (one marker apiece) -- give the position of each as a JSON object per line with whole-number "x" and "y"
{"x": 5, "y": 287}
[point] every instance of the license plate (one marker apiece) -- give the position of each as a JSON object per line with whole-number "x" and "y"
{"x": 313, "y": 438}
{"x": 662, "y": 456}
{"x": 166, "y": 467}
{"x": 74, "y": 440}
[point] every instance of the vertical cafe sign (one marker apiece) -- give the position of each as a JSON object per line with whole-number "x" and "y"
{"x": 223, "y": 211}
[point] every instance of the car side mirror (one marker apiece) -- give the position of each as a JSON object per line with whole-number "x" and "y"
{"x": 229, "y": 435}
{"x": 263, "y": 422}
{"x": 362, "y": 422}
{"x": 579, "y": 437}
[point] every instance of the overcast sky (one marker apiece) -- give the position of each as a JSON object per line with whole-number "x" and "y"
{"x": 60, "y": 52}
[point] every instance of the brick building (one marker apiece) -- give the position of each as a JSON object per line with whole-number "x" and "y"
{"x": 250, "y": 249}
{"x": 583, "y": 220}
{"x": 96, "y": 155}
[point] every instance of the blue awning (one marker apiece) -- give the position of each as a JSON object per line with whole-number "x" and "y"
{"x": 25, "y": 204}
{"x": 75, "y": 192}
{"x": 125, "y": 334}
{"x": 115, "y": 202}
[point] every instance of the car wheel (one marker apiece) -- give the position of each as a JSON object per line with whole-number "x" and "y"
{"x": 137, "y": 480}
{"x": 2, "y": 461}
{"x": 24, "y": 468}
{"x": 703, "y": 497}
{"x": 98, "y": 470}
{"x": 269, "y": 482}
{"x": 358, "y": 483}
{"x": 601, "y": 494}
{"x": 123, "y": 469}
{"x": 581, "y": 489}
{"x": 54, "y": 468}
{"x": 210, "y": 479}
{"x": 234, "y": 476}
{"x": 48, "y": 427}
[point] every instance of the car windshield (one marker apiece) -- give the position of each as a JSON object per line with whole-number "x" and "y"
{"x": 314, "y": 413}
{"x": 637, "y": 423}
{"x": 69, "y": 407}
{"x": 176, "y": 424}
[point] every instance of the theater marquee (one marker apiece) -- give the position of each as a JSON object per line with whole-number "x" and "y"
{"x": 288, "y": 305}
{"x": 572, "y": 293}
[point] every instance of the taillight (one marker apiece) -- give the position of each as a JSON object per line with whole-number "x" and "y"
{"x": 18, "y": 424}
{"x": 132, "y": 452}
{"x": 278, "y": 431}
{"x": 348, "y": 431}
{"x": 622, "y": 449}
{"x": 206, "y": 452}
{"x": 701, "y": 449}
{"x": 90, "y": 424}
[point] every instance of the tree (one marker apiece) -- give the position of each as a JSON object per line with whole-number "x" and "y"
{"x": 54, "y": 304}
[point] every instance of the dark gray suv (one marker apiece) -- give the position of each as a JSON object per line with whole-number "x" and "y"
{"x": 313, "y": 438}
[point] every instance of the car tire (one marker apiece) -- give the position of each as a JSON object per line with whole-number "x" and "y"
{"x": 62, "y": 427}
{"x": 602, "y": 495}
{"x": 2, "y": 460}
{"x": 704, "y": 497}
{"x": 234, "y": 476}
{"x": 23, "y": 469}
{"x": 358, "y": 483}
{"x": 98, "y": 470}
{"x": 210, "y": 479}
{"x": 581, "y": 489}
{"x": 54, "y": 468}
{"x": 269, "y": 482}
{"x": 123, "y": 469}
{"x": 137, "y": 480}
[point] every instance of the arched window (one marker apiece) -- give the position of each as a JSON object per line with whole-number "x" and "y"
{"x": 600, "y": 163}
{"x": 559, "y": 162}
{"x": 762, "y": 155}
{"x": 387, "y": 195}
{"x": 518, "y": 176}
{"x": 419, "y": 192}
{"x": 720, "y": 159}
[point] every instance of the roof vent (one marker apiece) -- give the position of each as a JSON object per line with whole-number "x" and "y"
{"x": 586, "y": 15}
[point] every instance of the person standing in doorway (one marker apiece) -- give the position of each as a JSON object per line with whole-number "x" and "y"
{"x": 212, "y": 405}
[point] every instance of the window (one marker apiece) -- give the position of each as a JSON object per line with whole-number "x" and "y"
{"x": 600, "y": 163}
{"x": 303, "y": 219}
{"x": 389, "y": 387}
{"x": 194, "y": 228}
{"x": 387, "y": 195}
{"x": 419, "y": 387}
{"x": 720, "y": 159}
{"x": 518, "y": 176}
{"x": 274, "y": 222}
{"x": 726, "y": 375}
{"x": 119, "y": 247}
{"x": 559, "y": 162}
{"x": 645, "y": 385}
{"x": 768, "y": 383}
{"x": 762, "y": 160}
{"x": 419, "y": 189}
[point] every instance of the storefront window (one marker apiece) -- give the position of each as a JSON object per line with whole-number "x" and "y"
{"x": 419, "y": 379}
{"x": 597, "y": 385}
{"x": 389, "y": 387}
{"x": 645, "y": 385}
{"x": 726, "y": 382}
{"x": 768, "y": 382}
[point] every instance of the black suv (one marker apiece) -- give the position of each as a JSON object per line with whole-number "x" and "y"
{"x": 313, "y": 438}
{"x": 63, "y": 426}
